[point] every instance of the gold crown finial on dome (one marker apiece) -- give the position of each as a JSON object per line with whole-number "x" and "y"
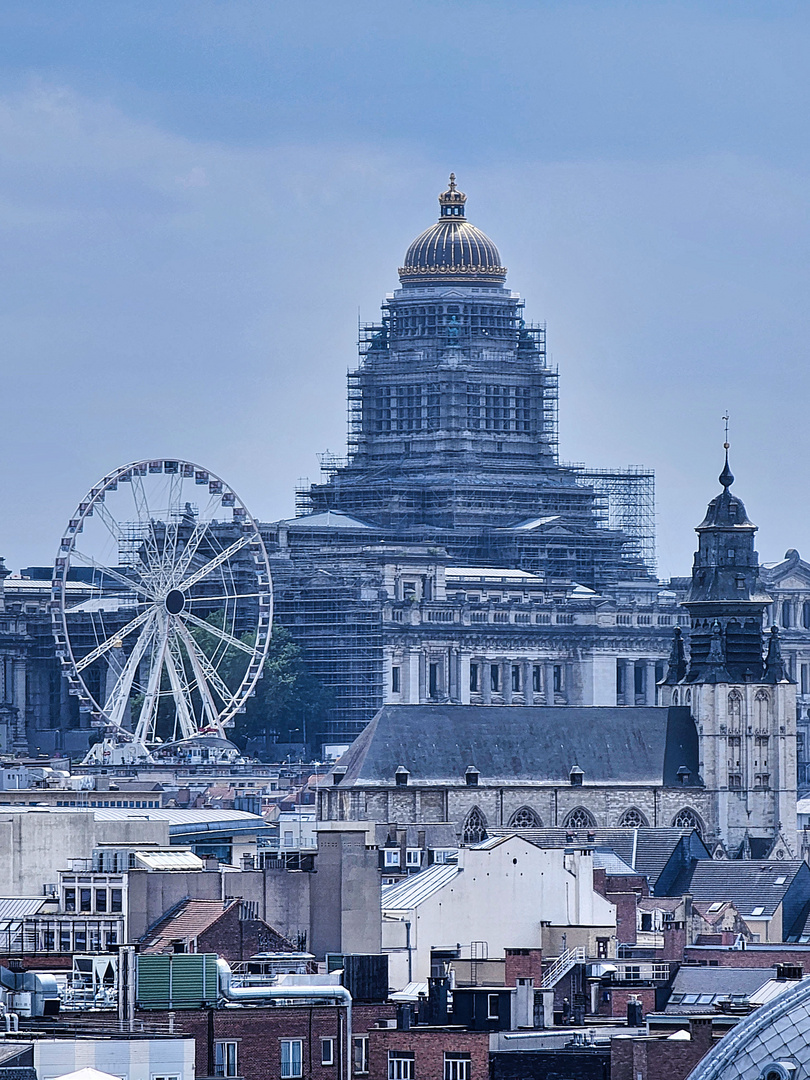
{"x": 452, "y": 201}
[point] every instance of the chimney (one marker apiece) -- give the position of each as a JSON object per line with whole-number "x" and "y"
{"x": 700, "y": 1028}
{"x": 210, "y": 862}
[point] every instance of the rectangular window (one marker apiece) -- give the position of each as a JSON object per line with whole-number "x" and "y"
{"x": 413, "y": 857}
{"x": 602, "y": 947}
{"x": 805, "y": 670}
{"x": 537, "y": 678}
{"x": 516, "y": 677}
{"x": 64, "y": 939}
{"x": 395, "y": 680}
{"x": 101, "y": 900}
{"x": 400, "y": 1065}
{"x": 327, "y": 1051}
{"x": 80, "y": 939}
{"x": 493, "y": 1006}
{"x": 433, "y": 680}
{"x": 85, "y": 900}
{"x": 557, "y": 679}
{"x": 494, "y": 677}
{"x": 226, "y": 1059}
{"x": 70, "y": 899}
{"x": 392, "y": 857}
{"x": 291, "y": 1058}
{"x": 456, "y": 1067}
{"x": 116, "y": 900}
{"x": 361, "y": 1053}
{"x": 474, "y": 678}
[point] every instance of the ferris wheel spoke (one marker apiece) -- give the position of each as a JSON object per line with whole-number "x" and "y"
{"x": 212, "y": 565}
{"x": 145, "y": 515}
{"x": 104, "y": 515}
{"x": 215, "y": 631}
{"x": 88, "y": 560}
{"x": 116, "y": 703}
{"x": 152, "y": 696}
{"x": 204, "y": 599}
{"x": 206, "y": 676}
{"x": 113, "y": 640}
{"x": 181, "y": 694}
{"x": 190, "y": 550}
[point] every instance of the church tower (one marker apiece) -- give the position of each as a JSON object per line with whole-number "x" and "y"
{"x": 737, "y": 687}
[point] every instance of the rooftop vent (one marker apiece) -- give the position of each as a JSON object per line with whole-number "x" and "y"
{"x": 401, "y": 776}
{"x": 471, "y": 776}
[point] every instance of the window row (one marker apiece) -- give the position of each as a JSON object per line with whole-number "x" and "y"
{"x": 99, "y": 901}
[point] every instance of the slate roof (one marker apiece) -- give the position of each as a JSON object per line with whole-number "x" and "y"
{"x": 646, "y": 850}
{"x": 436, "y": 834}
{"x": 749, "y": 884}
{"x": 185, "y": 923}
{"x": 696, "y": 989}
{"x": 436, "y": 744}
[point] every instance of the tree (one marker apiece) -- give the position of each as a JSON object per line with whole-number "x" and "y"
{"x": 288, "y": 702}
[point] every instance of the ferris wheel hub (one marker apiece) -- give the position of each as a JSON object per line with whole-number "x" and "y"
{"x": 175, "y": 601}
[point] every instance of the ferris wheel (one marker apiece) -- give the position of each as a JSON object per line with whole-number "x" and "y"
{"x": 161, "y": 607}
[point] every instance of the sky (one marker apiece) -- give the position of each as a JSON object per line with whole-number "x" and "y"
{"x": 198, "y": 199}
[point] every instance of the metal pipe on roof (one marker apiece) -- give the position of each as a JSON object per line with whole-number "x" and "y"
{"x": 257, "y": 993}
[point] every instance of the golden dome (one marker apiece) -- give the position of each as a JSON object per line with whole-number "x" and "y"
{"x": 452, "y": 251}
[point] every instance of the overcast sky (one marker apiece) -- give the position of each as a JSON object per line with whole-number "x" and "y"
{"x": 197, "y": 198}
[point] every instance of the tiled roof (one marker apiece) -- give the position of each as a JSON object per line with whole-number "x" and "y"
{"x": 184, "y": 924}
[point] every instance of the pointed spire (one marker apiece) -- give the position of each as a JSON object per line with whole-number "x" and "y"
{"x": 726, "y": 476}
{"x": 774, "y": 664}
{"x": 676, "y": 665}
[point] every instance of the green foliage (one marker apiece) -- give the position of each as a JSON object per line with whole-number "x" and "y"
{"x": 289, "y": 702}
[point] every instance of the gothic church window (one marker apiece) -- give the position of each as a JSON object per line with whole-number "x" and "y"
{"x": 580, "y": 818}
{"x": 525, "y": 818}
{"x": 688, "y": 819}
{"x": 761, "y": 709}
{"x": 632, "y": 819}
{"x": 475, "y": 827}
{"x": 735, "y": 709}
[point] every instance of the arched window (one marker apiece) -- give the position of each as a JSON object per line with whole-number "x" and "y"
{"x": 761, "y": 702}
{"x": 525, "y": 818}
{"x": 475, "y": 827}
{"x": 687, "y": 697}
{"x": 735, "y": 709}
{"x": 633, "y": 819}
{"x": 674, "y": 697}
{"x": 688, "y": 819}
{"x": 580, "y": 818}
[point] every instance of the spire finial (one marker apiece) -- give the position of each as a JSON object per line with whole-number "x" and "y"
{"x": 726, "y": 476}
{"x": 452, "y": 181}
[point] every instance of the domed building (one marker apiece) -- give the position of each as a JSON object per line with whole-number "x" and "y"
{"x": 453, "y": 422}
{"x": 450, "y": 556}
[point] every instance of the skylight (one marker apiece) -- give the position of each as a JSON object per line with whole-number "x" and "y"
{"x": 758, "y": 911}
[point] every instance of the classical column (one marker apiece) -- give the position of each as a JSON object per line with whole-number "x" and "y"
{"x": 649, "y": 682}
{"x": 569, "y": 689}
{"x": 528, "y": 685}
{"x": 629, "y": 681}
{"x": 506, "y": 680}
{"x": 413, "y": 677}
{"x": 486, "y": 685}
{"x": 548, "y": 682}
{"x": 464, "y": 678}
